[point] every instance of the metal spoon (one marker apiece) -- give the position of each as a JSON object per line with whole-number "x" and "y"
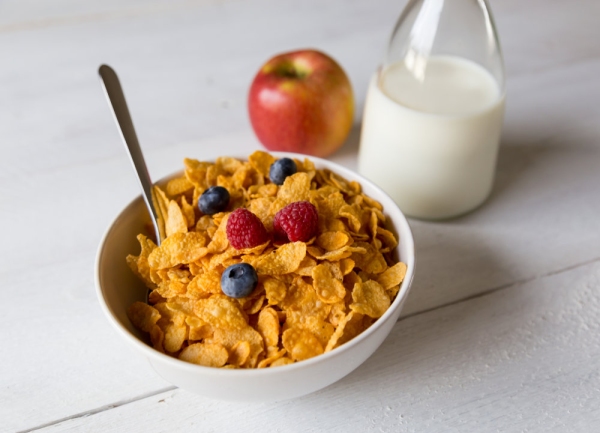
{"x": 116, "y": 99}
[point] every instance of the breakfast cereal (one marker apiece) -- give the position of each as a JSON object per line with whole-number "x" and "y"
{"x": 295, "y": 300}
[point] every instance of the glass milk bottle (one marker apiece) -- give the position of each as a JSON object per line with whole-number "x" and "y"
{"x": 434, "y": 109}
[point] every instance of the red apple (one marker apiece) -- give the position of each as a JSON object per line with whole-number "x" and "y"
{"x": 302, "y": 102}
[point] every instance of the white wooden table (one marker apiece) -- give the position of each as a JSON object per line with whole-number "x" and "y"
{"x": 502, "y": 328}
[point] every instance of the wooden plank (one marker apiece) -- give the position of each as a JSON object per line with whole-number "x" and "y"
{"x": 526, "y": 358}
{"x": 58, "y": 350}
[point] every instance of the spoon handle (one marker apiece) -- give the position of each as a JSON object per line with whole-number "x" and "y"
{"x": 116, "y": 99}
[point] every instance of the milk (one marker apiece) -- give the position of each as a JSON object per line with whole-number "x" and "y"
{"x": 430, "y": 138}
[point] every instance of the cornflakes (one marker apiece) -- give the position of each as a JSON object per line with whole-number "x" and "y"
{"x": 311, "y": 297}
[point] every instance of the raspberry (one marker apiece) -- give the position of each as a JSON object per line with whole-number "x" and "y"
{"x": 245, "y": 230}
{"x": 296, "y": 222}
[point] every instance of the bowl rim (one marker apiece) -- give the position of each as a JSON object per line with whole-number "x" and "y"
{"x": 150, "y": 352}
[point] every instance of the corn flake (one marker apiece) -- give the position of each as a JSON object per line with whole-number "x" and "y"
{"x": 178, "y": 186}
{"x": 282, "y": 361}
{"x": 275, "y": 290}
{"x": 261, "y": 161}
{"x": 283, "y": 260}
{"x": 209, "y": 355}
{"x": 392, "y": 276}
{"x": 273, "y": 358}
{"x": 180, "y": 248}
{"x": 139, "y": 264}
{"x": 370, "y": 299}
{"x": 220, "y": 312}
{"x": 143, "y": 316}
{"x": 240, "y": 352}
{"x": 329, "y": 289}
{"x": 268, "y": 327}
{"x": 301, "y": 344}
{"x": 331, "y": 240}
{"x": 230, "y": 337}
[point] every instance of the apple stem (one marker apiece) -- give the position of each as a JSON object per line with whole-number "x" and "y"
{"x": 289, "y": 71}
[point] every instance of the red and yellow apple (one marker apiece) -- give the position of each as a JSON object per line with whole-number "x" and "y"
{"x": 302, "y": 102}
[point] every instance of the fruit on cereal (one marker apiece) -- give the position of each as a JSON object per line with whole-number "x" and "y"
{"x": 297, "y": 221}
{"x": 281, "y": 169}
{"x": 305, "y": 298}
{"x": 239, "y": 280}
{"x": 215, "y": 199}
{"x": 245, "y": 230}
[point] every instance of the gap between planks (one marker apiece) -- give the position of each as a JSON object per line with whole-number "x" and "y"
{"x": 501, "y": 287}
{"x": 100, "y": 409}
{"x": 439, "y": 307}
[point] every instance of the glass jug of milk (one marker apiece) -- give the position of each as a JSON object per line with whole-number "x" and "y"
{"x": 434, "y": 109}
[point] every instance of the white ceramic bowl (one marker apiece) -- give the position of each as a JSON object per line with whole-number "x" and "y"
{"x": 117, "y": 288}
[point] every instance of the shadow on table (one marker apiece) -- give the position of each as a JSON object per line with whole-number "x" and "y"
{"x": 472, "y": 254}
{"x": 465, "y": 256}
{"x": 453, "y": 260}
{"x": 350, "y": 147}
{"x": 514, "y": 161}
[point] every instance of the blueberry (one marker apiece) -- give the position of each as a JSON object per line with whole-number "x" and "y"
{"x": 281, "y": 169}
{"x": 239, "y": 280}
{"x": 215, "y": 199}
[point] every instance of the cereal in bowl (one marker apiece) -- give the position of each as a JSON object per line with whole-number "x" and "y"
{"x": 263, "y": 263}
